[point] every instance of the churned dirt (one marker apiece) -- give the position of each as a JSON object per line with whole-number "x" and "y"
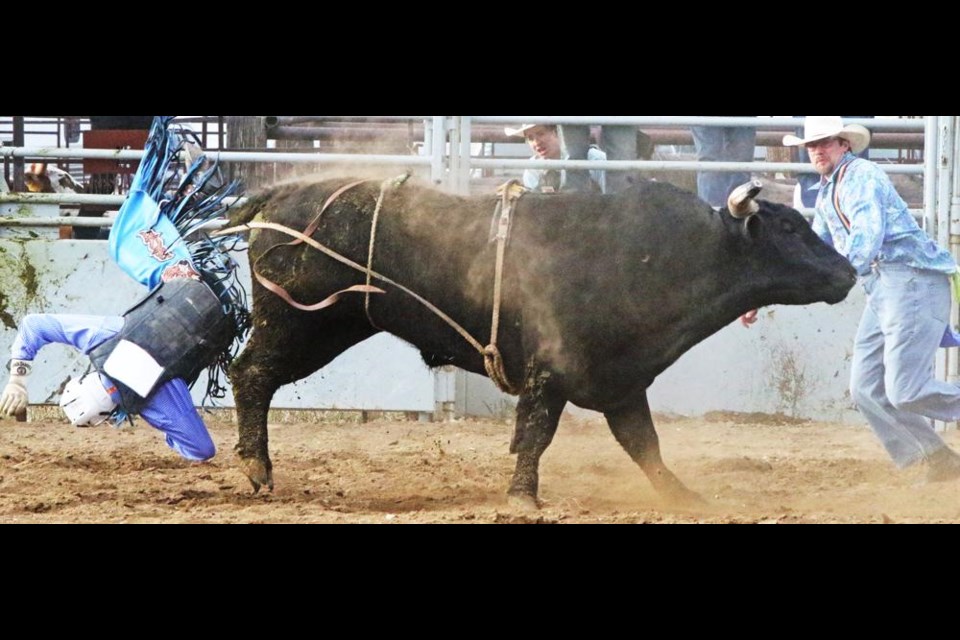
{"x": 748, "y": 468}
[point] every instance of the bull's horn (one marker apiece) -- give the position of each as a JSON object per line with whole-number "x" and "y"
{"x": 740, "y": 203}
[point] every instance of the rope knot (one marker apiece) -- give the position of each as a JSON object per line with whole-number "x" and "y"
{"x": 493, "y": 363}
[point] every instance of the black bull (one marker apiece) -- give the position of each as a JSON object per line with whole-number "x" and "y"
{"x": 600, "y": 294}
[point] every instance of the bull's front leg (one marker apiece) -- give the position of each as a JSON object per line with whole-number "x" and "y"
{"x": 274, "y": 357}
{"x": 633, "y": 428}
{"x": 252, "y": 393}
{"x": 538, "y": 414}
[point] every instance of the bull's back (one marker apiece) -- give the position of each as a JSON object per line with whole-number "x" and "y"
{"x": 434, "y": 243}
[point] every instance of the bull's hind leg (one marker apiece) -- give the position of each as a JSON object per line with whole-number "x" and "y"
{"x": 633, "y": 428}
{"x": 538, "y": 414}
{"x": 273, "y": 357}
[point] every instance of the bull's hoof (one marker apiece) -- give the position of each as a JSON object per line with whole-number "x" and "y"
{"x": 680, "y": 496}
{"x": 523, "y": 502}
{"x": 258, "y": 473}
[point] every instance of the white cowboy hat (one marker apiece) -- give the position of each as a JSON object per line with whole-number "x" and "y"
{"x": 521, "y": 131}
{"x": 820, "y": 127}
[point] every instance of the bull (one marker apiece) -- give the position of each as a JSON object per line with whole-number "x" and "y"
{"x": 599, "y": 294}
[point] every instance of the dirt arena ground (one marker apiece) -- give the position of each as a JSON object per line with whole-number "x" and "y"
{"x": 749, "y": 469}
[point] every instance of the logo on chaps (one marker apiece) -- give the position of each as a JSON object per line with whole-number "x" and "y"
{"x": 180, "y": 269}
{"x": 154, "y": 243}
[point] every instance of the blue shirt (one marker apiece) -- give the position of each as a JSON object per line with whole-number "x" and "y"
{"x": 146, "y": 245}
{"x": 882, "y": 229}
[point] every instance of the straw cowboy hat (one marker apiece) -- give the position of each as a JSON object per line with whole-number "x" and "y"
{"x": 821, "y": 127}
{"x": 521, "y": 131}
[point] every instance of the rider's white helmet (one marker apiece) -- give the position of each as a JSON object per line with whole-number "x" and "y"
{"x": 86, "y": 402}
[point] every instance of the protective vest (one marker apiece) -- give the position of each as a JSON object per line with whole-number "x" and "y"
{"x": 181, "y": 324}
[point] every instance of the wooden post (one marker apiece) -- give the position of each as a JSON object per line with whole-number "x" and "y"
{"x": 247, "y": 133}
{"x": 19, "y": 185}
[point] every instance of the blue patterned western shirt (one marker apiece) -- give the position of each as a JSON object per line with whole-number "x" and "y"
{"x": 882, "y": 229}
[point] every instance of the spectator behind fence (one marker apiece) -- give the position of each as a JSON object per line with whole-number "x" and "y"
{"x": 544, "y": 140}
{"x": 907, "y": 281}
{"x": 619, "y": 143}
{"x": 722, "y": 144}
{"x": 808, "y": 184}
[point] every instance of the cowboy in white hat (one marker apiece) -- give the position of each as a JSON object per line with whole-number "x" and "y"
{"x": 805, "y": 194}
{"x": 544, "y": 140}
{"x": 820, "y": 129}
{"x": 906, "y": 278}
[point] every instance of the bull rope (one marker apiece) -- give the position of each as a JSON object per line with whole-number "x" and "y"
{"x": 396, "y": 182}
{"x": 492, "y": 359}
{"x": 280, "y": 291}
{"x": 509, "y": 193}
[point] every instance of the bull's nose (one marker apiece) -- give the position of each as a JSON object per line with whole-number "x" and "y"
{"x": 850, "y": 277}
{"x": 845, "y": 277}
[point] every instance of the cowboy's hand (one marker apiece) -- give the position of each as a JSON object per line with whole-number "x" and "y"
{"x": 748, "y": 318}
{"x": 15, "y": 398}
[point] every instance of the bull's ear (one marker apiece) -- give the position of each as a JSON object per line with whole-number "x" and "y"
{"x": 751, "y": 227}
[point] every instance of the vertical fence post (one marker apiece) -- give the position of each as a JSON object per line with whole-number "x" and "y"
{"x": 953, "y": 362}
{"x": 941, "y": 231}
{"x": 453, "y": 154}
{"x": 18, "y": 165}
{"x": 930, "y": 174}
{"x": 463, "y": 178}
{"x": 438, "y": 142}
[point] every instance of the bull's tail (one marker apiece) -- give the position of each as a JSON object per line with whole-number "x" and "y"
{"x": 246, "y": 212}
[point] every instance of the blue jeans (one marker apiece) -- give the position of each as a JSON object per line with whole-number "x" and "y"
{"x": 619, "y": 142}
{"x": 722, "y": 144}
{"x": 892, "y": 377}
